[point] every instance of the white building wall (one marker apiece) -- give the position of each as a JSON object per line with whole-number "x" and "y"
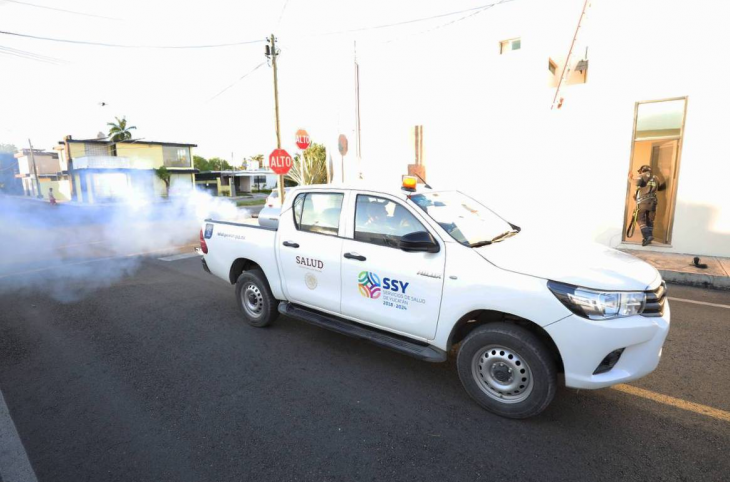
{"x": 489, "y": 129}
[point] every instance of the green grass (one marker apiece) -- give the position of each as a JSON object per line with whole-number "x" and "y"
{"x": 253, "y": 202}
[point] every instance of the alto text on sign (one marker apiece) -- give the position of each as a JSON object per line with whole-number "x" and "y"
{"x": 302, "y": 138}
{"x": 280, "y": 161}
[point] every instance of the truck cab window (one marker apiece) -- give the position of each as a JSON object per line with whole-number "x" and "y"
{"x": 381, "y": 221}
{"x": 318, "y": 212}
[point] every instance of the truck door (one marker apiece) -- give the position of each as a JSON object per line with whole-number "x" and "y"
{"x": 310, "y": 250}
{"x": 382, "y": 285}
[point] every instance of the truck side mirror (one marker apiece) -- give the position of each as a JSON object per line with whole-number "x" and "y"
{"x": 420, "y": 241}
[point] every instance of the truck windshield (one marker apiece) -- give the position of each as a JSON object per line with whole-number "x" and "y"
{"x": 466, "y": 220}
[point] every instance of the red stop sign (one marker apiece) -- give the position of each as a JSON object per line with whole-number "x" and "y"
{"x": 303, "y": 140}
{"x": 280, "y": 161}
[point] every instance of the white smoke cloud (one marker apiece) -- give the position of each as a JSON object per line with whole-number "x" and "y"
{"x": 70, "y": 250}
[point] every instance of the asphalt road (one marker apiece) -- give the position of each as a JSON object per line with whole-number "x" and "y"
{"x": 156, "y": 377}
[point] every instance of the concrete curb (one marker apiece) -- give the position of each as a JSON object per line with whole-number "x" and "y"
{"x": 678, "y": 268}
{"x": 14, "y": 463}
{"x": 695, "y": 279}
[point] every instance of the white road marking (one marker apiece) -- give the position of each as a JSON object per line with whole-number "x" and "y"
{"x": 179, "y": 256}
{"x": 684, "y": 300}
{"x": 14, "y": 463}
{"x": 54, "y": 248}
{"x": 96, "y": 260}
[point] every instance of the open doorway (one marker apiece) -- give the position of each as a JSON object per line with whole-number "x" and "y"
{"x": 657, "y": 143}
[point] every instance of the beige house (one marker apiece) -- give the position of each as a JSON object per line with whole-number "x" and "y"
{"x": 42, "y": 170}
{"x": 106, "y": 171}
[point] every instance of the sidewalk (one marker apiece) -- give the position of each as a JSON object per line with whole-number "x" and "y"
{"x": 678, "y": 268}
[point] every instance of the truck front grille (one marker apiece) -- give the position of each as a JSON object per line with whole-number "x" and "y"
{"x": 655, "y": 301}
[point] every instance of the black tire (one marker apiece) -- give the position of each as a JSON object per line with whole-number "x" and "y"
{"x": 507, "y": 370}
{"x": 261, "y": 308}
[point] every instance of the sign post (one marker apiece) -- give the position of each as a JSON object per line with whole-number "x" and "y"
{"x": 342, "y": 147}
{"x": 303, "y": 143}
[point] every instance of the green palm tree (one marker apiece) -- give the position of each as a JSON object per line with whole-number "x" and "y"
{"x": 119, "y": 131}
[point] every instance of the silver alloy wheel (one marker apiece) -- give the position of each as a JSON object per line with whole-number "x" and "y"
{"x": 502, "y": 374}
{"x": 252, "y": 300}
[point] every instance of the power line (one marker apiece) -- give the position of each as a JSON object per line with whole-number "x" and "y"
{"x": 60, "y": 10}
{"x": 246, "y": 42}
{"x": 281, "y": 15}
{"x": 239, "y": 79}
{"x": 25, "y": 54}
{"x": 473, "y": 14}
{"x": 104, "y": 44}
{"x": 416, "y": 20}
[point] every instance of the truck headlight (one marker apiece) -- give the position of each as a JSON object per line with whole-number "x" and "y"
{"x": 598, "y": 305}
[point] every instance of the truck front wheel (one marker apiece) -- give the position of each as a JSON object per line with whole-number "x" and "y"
{"x": 507, "y": 370}
{"x": 255, "y": 300}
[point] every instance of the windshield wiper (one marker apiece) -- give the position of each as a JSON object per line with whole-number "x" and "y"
{"x": 479, "y": 244}
{"x": 495, "y": 239}
{"x": 504, "y": 236}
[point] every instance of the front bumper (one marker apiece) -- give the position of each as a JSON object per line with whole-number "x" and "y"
{"x": 583, "y": 344}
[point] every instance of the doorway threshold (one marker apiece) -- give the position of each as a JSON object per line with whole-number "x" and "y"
{"x": 638, "y": 247}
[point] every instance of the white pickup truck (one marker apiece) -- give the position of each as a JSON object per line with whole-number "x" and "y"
{"x": 423, "y": 271}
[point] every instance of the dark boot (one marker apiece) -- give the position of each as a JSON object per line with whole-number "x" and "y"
{"x": 647, "y": 235}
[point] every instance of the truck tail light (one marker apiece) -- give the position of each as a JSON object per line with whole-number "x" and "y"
{"x": 203, "y": 246}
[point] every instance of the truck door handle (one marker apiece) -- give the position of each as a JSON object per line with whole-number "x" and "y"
{"x": 290, "y": 244}
{"x": 355, "y": 256}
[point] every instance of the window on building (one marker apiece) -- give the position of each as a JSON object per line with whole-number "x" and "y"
{"x": 259, "y": 179}
{"x": 506, "y": 46}
{"x": 552, "y": 66}
{"x": 94, "y": 150}
{"x": 381, "y": 221}
{"x": 318, "y": 212}
{"x": 176, "y": 156}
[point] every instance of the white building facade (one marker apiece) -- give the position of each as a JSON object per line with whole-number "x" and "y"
{"x": 646, "y": 86}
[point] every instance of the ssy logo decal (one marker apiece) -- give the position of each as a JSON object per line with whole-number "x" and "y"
{"x": 368, "y": 283}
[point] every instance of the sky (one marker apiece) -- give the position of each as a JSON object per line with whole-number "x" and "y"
{"x": 175, "y": 95}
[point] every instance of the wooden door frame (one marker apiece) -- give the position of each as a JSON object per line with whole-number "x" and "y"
{"x": 680, "y": 143}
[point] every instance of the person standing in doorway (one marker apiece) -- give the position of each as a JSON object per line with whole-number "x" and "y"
{"x": 647, "y": 185}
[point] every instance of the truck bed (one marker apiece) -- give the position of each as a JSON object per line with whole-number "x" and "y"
{"x": 232, "y": 243}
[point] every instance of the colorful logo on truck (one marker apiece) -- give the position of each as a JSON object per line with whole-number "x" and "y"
{"x": 392, "y": 293}
{"x": 368, "y": 283}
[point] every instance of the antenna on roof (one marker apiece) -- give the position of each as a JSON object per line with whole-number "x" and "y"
{"x": 425, "y": 184}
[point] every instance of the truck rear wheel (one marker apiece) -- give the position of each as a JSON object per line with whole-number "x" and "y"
{"x": 254, "y": 298}
{"x": 507, "y": 370}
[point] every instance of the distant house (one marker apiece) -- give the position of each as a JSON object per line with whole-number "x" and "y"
{"x": 42, "y": 170}
{"x": 102, "y": 171}
{"x": 231, "y": 183}
{"x": 10, "y": 182}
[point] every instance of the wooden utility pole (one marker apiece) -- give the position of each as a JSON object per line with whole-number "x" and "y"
{"x": 274, "y": 54}
{"x": 35, "y": 170}
{"x": 69, "y": 167}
